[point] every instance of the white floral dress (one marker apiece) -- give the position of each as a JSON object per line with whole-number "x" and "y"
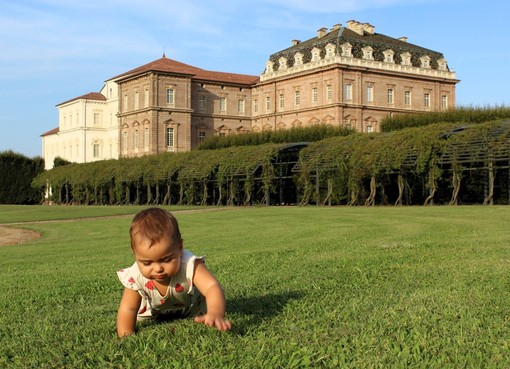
{"x": 182, "y": 299}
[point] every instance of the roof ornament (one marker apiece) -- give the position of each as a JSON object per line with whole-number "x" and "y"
{"x": 164, "y": 55}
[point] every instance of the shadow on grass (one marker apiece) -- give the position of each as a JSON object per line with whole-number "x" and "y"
{"x": 251, "y": 311}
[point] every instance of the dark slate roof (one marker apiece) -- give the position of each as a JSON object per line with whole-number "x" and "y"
{"x": 377, "y": 41}
{"x": 90, "y": 96}
{"x": 167, "y": 65}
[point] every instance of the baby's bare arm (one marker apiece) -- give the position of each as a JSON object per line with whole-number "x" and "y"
{"x": 211, "y": 289}
{"x": 126, "y": 316}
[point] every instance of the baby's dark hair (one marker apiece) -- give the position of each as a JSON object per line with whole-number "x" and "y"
{"x": 154, "y": 224}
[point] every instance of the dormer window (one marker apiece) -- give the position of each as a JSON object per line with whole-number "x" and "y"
{"x": 346, "y": 50}
{"x": 298, "y": 59}
{"x": 269, "y": 66}
{"x": 283, "y": 63}
{"x": 316, "y": 54}
{"x": 425, "y": 61}
{"x": 388, "y": 56}
{"x": 330, "y": 51}
{"x": 406, "y": 58}
{"x": 442, "y": 64}
{"x": 367, "y": 53}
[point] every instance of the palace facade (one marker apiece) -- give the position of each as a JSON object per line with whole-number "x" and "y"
{"x": 348, "y": 75}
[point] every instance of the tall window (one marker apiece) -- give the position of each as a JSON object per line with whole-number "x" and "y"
{"x": 297, "y": 98}
{"x": 426, "y": 100}
{"x": 202, "y": 102}
{"x": 370, "y": 94}
{"x": 223, "y": 104}
{"x": 407, "y": 99}
{"x": 314, "y": 95}
{"x": 348, "y": 92}
{"x": 282, "y": 101}
{"x": 240, "y": 106}
{"x": 255, "y": 105}
{"x": 329, "y": 92}
{"x": 201, "y": 136}
{"x": 125, "y": 141}
{"x": 169, "y": 137}
{"x": 125, "y": 102}
{"x": 96, "y": 119}
{"x": 137, "y": 139}
{"x": 137, "y": 100}
{"x": 146, "y": 140}
{"x": 170, "y": 96}
{"x": 268, "y": 103}
{"x": 390, "y": 96}
{"x": 95, "y": 150}
{"x": 146, "y": 98}
{"x": 444, "y": 102}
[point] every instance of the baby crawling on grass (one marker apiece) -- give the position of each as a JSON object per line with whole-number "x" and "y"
{"x": 166, "y": 280}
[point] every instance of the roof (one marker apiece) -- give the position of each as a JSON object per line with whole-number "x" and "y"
{"x": 90, "y": 96}
{"x": 167, "y": 65}
{"x": 340, "y": 35}
{"x": 50, "y": 132}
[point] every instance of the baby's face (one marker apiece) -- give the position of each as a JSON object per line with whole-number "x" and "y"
{"x": 160, "y": 261}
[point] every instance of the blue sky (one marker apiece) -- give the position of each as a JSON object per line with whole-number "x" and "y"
{"x": 54, "y": 50}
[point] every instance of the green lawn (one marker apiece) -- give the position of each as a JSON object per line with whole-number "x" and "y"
{"x": 342, "y": 287}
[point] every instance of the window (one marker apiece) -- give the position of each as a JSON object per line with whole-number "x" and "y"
{"x": 125, "y": 141}
{"x": 137, "y": 139}
{"x": 314, "y": 95}
{"x": 444, "y": 102}
{"x": 169, "y": 137}
{"x": 348, "y": 92}
{"x": 370, "y": 94}
{"x": 202, "y": 100}
{"x": 370, "y": 129}
{"x": 255, "y": 105}
{"x": 201, "y": 136}
{"x": 240, "y": 106}
{"x": 268, "y": 103}
{"x": 170, "y": 96}
{"x": 390, "y": 96}
{"x": 407, "y": 99}
{"x": 146, "y": 98}
{"x": 297, "y": 98}
{"x": 223, "y": 104}
{"x": 426, "y": 100}
{"x": 329, "y": 92}
{"x": 97, "y": 119}
{"x": 282, "y": 101}
{"x": 95, "y": 149}
{"x": 126, "y": 100}
{"x": 146, "y": 138}
{"x": 137, "y": 100}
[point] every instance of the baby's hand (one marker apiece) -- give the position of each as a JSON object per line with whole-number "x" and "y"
{"x": 214, "y": 321}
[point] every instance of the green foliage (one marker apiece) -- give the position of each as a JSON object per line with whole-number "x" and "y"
{"x": 296, "y": 134}
{"x": 16, "y": 175}
{"x": 454, "y": 116}
{"x": 404, "y": 166}
{"x": 343, "y": 287}
{"x": 58, "y": 162}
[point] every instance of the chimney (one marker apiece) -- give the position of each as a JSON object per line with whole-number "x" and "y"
{"x": 368, "y": 28}
{"x": 336, "y": 26}
{"x": 321, "y": 32}
{"x": 295, "y": 42}
{"x": 355, "y": 26}
{"x": 403, "y": 38}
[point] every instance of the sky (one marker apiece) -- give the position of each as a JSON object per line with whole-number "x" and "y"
{"x": 52, "y": 51}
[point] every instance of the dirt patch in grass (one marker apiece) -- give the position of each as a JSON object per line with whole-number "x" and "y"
{"x": 16, "y": 236}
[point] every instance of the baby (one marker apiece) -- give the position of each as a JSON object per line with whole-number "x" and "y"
{"x": 166, "y": 280}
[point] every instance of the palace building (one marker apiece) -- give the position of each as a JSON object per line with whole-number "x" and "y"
{"x": 345, "y": 76}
